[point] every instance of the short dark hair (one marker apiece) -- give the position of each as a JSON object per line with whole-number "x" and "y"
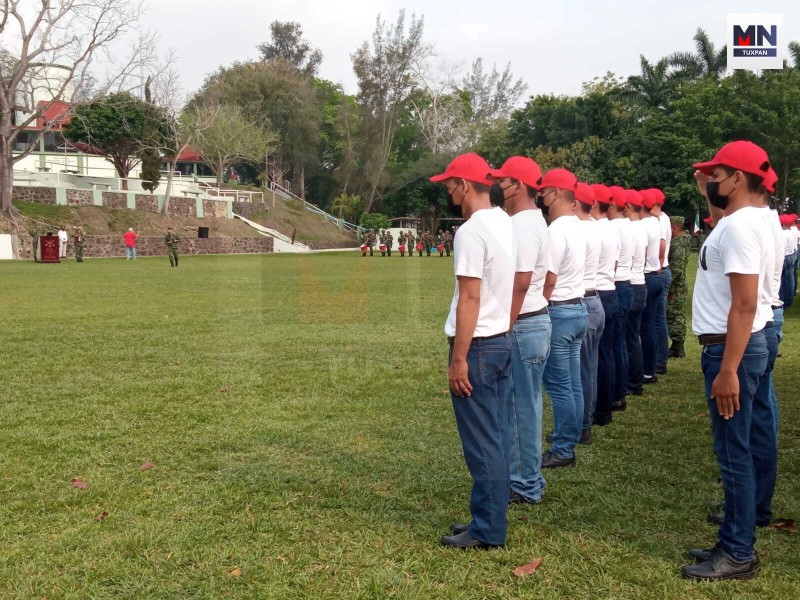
{"x": 636, "y": 209}
{"x": 585, "y": 208}
{"x": 570, "y": 195}
{"x": 603, "y": 208}
{"x": 532, "y": 192}
{"x": 754, "y": 182}
{"x": 480, "y": 188}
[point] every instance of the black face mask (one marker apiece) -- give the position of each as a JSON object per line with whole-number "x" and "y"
{"x": 497, "y": 195}
{"x": 455, "y": 209}
{"x": 542, "y": 206}
{"x": 714, "y": 197}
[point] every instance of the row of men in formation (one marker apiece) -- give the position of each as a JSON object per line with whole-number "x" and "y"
{"x": 578, "y": 307}
{"x": 407, "y": 241}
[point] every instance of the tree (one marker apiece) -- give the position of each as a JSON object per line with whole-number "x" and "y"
{"x": 385, "y": 81}
{"x": 440, "y": 108}
{"x": 794, "y": 52}
{"x": 655, "y": 86}
{"x": 492, "y": 96}
{"x": 707, "y": 61}
{"x": 117, "y": 127}
{"x": 150, "y": 154}
{"x": 287, "y": 43}
{"x": 348, "y": 207}
{"x": 374, "y": 221}
{"x": 230, "y": 138}
{"x": 48, "y": 52}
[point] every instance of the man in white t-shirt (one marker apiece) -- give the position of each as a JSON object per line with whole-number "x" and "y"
{"x": 729, "y": 316}
{"x": 633, "y": 210}
{"x": 590, "y": 347}
{"x": 662, "y": 327}
{"x": 610, "y": 246}
{"x": 480, "y": 348}
{"x": 655, "y": 288}
{"x": 63, "y": 238}
{"x": 796, "y": 260}
{"x": 790, "y": 255}
{"x": 564, "y": 289}
{"x": 624, "y": 289}
{"x": 518, "y": 182}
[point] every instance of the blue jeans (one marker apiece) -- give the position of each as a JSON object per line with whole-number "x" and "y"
{"x": 777, "y": 320}
{"x": 788, "y": 280}
{"x": 647, "y": 330}
{"x": 606, "y": 361}
{"x": 794, "y": 273}
{"x": 130, "y": 253}
{"x": 530, "y": 347}
{"x": 633, "y": 338}
{"x": 562, "y": 376}
{"x": 481, "y": 420}
{"x": 765, "y": 457}
{"x": 662, "y": 331}
{"x": 624, "y": 303}
{"x": 744, "y": 444}
{"x": 590, "y": 356}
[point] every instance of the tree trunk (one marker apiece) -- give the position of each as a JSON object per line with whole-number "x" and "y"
{"x": 303, "y": 181}
{"x": 6, "y": 178}
{"x": 168, "y": 191}
{"x": 220, "y": 171}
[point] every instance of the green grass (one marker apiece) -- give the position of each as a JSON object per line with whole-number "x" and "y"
{"x": 331, "y": 465}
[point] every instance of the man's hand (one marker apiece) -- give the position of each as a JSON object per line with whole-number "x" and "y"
{"x": 458, "y": 375}
{"x": 725, "y": 390}
{"x": 702, "y": 182}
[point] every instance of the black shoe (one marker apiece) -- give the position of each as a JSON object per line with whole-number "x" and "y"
{"x": 549, "y": 438}
{"x": 702, "y": 554}
{"x": 619, "y": 406}
{"x": 715, "y": 518}
{"x": 722, "y": 566}
{"x": 550, "y": 461}
{"x": 465, "y": 541}
{"x": 455, "y": 528}
{"x": 661, "y": 369}
{"x": 516, "y": 498}
{"x": 586, "y": 438}
{"x": 634, "y": 392}
{"x": 601, "y": 422}
{"x": 650, "y": 380}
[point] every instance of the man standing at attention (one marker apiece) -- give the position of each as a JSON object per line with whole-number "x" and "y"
{"x": 130, "y": 244}
{"x": 729, "y": 317}
{"x": 480, "y": 348}
{"x": 171, "y": 240}
{"x": 679, "y": 251}
{"x": 564, "y": 289}
{"x": 633, "y": 210}
{"x": 63, "y": 238}
{"x": 518, "y": 180}
{"x": 79, "y": 242}
{"x": 654, "y": 284}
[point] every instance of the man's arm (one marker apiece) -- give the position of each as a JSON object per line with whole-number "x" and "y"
{"x": 522, "y": 282}
{"x": 744, "y": 302}
{"x": 549, "y": 285}
{"x": 662, "y": 251}
{"x": 469, "y": 303}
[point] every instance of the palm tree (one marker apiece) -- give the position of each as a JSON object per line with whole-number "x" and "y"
{"x": 707, "y": 61}
{"x": 654, "y": 87}
{"x": 348, "y": 206}
{"x": 794, "y": 52}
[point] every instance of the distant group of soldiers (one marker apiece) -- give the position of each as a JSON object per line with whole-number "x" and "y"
{"x": 407, "y": 242}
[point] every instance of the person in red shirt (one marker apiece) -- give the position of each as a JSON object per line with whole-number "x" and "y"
{"x": 130, "y": 244}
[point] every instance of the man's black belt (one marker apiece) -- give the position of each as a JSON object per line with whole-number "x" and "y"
{"x": 626, "y": 282}
{"x": 536, "y": 313}
{"x": 777, "y": 307}
{"x": 769, "y": 325}
{"x": 709, "y": 339}
{"x": 563, "y": 302}
{"x": 591, "y": 294}
{"x": 451, "y": 340}
{"x": 652, "y": 273}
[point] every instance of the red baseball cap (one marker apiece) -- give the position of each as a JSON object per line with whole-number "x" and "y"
{"x": 602, "y": 193}
{"x": 633, "y": 197}
{"x": 618, "y": 195}
{"x": 466, "y": 166}
{"x": 741, "y": 155}
{"x": 585, "y": 193}
{"x": 522, "y": 169}
{"x": 559, "y": 178}
{"x": 659, "y": 195}
{"x": 648, "y": 198}
{"x": 770, "y": 179}
{"x": 786, "y": 219}
{"x": 707, "y": 220}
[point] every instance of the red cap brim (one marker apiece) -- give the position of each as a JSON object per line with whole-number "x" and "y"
{"x": 439, "y": 178}
{"x": 705, "y": 167}
{"x": 497, "y": 174}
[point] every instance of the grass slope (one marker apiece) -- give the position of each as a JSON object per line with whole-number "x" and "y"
{"x": 297, "y": 414}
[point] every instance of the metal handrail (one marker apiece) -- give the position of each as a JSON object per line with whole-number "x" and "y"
{"x": 287, "y": 195}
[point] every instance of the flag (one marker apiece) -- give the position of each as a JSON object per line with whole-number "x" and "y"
{"x": 696, "y": 221}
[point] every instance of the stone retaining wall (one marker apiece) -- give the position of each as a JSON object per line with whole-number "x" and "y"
{"x": 182, "y": 207}
{"x": 215, "y": 209}
{"x": 146, "y": 202}
{"x": 80, "y": 197}
{"x": 42, "y": 195}
{"x": 115, "y": 200}
{"x": 100, "y": 246}
{"x": 248, "y": 209}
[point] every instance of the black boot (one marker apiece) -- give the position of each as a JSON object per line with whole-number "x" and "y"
{"x": 676, "y": 350}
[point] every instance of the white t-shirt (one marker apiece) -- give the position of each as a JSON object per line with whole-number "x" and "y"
{"x": 567, "y": 255}
{"x": 740, "y": 243}
{"x": 62, "y": 235}
{"x": 796, "y": 233}
{"x": 772, "y": 284}
{"x": 533, "y": 246}
{"x": 591, "y": 237}
{"x": 789, "y": 242}
{"x": 652, "y": 226}
{"x": 625, "y": 257}
{"x": 484, "y": 247}
{"x": 640, "y": 239}
{"x": 609, "y": 252}
{"x": 666, "y": 235}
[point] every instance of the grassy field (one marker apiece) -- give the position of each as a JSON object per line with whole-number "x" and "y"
{"x": 296, "y": 413}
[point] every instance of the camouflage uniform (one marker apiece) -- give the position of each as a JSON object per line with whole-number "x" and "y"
{"x": 679, "y": 251}
{"x": 448, "y": 242}
{"x": 427, "y": 241}
{"x": 171, "y": 240}
{"x": 79, "y": 242}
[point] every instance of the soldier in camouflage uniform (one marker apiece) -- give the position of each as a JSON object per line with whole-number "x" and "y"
{"x": 448, "y": 241}
{"x": 679, "y": 251}
{"x": 171, "y": 240}
{"x": 427, "y": 241}
{"x": 411, "y": 241}
{"x": 79, "y": 242}
{"x": 389, "y": 243}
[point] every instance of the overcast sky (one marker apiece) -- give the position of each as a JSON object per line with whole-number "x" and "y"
{"x": 554, "y": 45}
